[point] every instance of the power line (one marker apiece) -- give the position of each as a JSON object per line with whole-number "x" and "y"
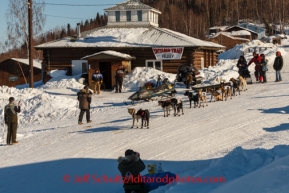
{"x": 77, "y": 5}
{"x": 64, "y": 17}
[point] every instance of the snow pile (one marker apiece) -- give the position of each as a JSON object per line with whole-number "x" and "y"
{"x": 241, "y": 167}
{"x": 60, "y": 80}
{"x": 224, "y": 70}
{"x": 38, "y": 106}
{"x": 142, "y": 74}
{"x": 238, "y": 50}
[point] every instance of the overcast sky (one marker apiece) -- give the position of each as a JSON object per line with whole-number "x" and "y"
{"x": 63, "y": 11}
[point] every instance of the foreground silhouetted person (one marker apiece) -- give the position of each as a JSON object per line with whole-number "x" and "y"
{"x": 130, "y": 167}
{"x": 84, "y": 98}
{"x": 11, "y": 120}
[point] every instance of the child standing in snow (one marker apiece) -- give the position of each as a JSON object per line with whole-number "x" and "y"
{"x": 264, "y": 68}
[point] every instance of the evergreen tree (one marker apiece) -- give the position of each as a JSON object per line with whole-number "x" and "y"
{"x": 68, "y": 29}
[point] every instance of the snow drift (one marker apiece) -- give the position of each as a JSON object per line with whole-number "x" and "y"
{"x": 141, "y": 75}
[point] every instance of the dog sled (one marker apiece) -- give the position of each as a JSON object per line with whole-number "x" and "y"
{"x": 211, "y": 86}
{"x": 148, "y": 93}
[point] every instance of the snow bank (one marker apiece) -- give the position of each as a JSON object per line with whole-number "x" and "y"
{"x": 239, "y": 49}
{"x": 60, "y": 80}
{"x": 142, "y": 74}
{"x": 38, "y": 106}
{"x": 242, "y": 167}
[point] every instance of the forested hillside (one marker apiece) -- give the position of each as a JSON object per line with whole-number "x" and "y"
{"x": 194, "y": 17}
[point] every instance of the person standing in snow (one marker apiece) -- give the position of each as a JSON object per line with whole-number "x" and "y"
{"x": 97, "y": 79}
{"x": 84, "y": 98}
{"x": 130, "y": 167}
{"x": 190, "y": 74}
{"x": 119, "y": 74}
{"x": 278, "y": 65}
{"x": 257, "y": 60}
{"x": 11, "y": 120}
{"x": 243, "y": 68}
{"x": 264, "y": 68}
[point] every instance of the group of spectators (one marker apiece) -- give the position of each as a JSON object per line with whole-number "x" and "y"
{"x": 261, "y": 67}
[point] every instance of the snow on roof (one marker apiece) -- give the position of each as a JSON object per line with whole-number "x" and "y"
{"x": 253, "y": 27}
{"x": 117, "y": 36}
{"x": 246, "y": 29}
{"x": 240, "y": 33}
{"x": 218, "y": 27}
{"x": 228, "y": 34}
{"x": 36, "y": 63}
{"x": 131, "y": 4}
{"x": 111, "y": 53}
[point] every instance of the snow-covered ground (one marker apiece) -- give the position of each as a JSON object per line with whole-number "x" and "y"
{"x": 244, "y": 140}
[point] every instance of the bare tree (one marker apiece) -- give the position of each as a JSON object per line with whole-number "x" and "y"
{"x": 17, "y": 22}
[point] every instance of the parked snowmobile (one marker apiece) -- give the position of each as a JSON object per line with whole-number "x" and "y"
{"x": 182, "y": 75}
{"x": 148, "y": 92}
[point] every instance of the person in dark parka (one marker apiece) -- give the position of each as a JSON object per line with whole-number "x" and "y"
{"x": 84, "y": 98}
{"x": 11, "y": 120}
{"x": 278, "y": 65}
{"x": 243, "y": 68}
{"x": 130, "y": 166}
{"x": 119, "y": 75}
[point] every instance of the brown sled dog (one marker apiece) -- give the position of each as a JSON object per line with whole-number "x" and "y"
{"x": 214, "y": 93}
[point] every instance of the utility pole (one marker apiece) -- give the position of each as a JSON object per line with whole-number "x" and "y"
{"x": 31, "y": 81}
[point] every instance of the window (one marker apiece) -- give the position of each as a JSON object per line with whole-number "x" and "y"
{"x": 117, "y": 16}
{"x": 139, "y": 15}
{"x": 128, "y": 15}
{"x": 156, "y": 64}
{"x": 13, "y": 78}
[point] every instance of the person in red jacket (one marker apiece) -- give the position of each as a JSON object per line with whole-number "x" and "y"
{"x": 257, "y": 60}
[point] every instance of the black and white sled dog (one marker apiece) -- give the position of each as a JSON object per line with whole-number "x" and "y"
{"x": 192, "y": 97}
{"x": 142, "y": 114}
{"x": 166, "y": 106}
{"x": 175, "y": 104}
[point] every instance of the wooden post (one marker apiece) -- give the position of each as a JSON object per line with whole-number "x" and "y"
{"x": 31, "y": 85}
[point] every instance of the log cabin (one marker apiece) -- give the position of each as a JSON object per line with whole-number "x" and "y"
{"x": 15, "y": 71}
{"x": 132, "y": 37}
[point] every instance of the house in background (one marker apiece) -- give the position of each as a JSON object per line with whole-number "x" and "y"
{"x": 241, "y": 32}
{"x": 132, "y": 37}
{"x": 216, "y": 29}
{"x": 14, "y": 72}
{"x": 261, "y": 31}
{"x": 230, "y": 40}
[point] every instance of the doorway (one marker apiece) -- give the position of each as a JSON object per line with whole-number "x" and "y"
{"x": 105, "y": 70}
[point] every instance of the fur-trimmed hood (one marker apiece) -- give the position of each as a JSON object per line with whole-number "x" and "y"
{"x": 130, "y": 158}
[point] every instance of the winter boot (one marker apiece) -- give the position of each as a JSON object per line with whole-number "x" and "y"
{"x": 80, "y": 123}
{"x": 89, "y": 121}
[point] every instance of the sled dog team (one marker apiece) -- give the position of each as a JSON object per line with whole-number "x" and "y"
{"x": 199, "y": 98}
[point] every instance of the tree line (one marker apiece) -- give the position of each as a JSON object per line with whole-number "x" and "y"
{"x": 194, "y": 17}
